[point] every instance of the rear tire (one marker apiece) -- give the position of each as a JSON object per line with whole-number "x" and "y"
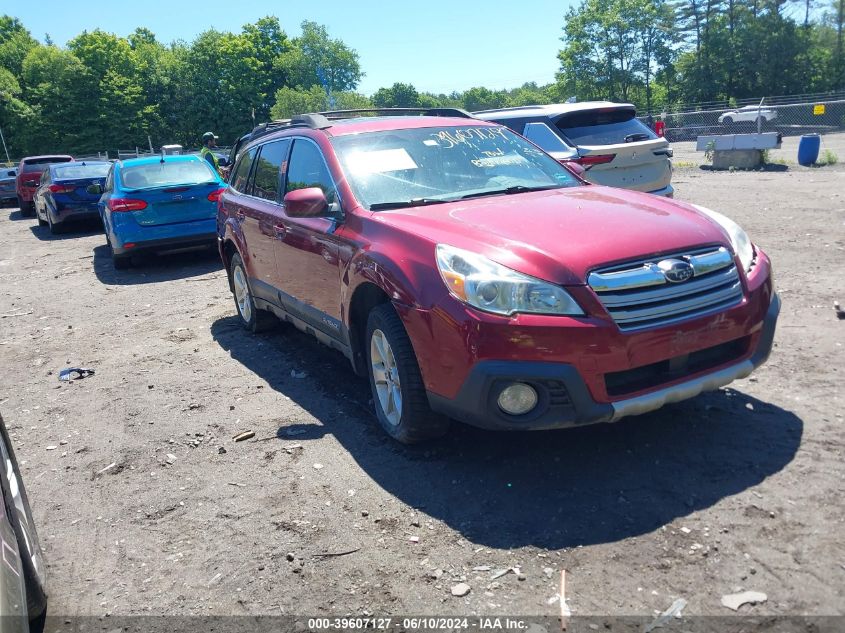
{"x": 19, "y": 515}
{"x": 252, "y": 318}
{"x": 399, "y": 397}
{"x": 27, "y": 208}
{"x": 55, "y": 229}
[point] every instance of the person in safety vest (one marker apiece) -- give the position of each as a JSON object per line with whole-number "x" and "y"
{"x": 209, "y": 140}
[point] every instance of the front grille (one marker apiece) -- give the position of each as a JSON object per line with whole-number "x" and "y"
{"x": 624, "y": 382}
{"x": 637, "y": 294}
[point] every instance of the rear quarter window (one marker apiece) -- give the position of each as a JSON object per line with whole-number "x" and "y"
{"x": 604, "y": 128}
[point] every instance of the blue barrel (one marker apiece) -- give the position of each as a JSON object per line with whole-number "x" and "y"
{"x": 808, "y": 149}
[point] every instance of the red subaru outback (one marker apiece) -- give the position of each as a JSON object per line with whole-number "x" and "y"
{"x": 471, "y": 276}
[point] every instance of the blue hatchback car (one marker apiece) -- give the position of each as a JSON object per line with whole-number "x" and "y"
{"x": 159, "y": 204}
{"x": 62, "y": 196}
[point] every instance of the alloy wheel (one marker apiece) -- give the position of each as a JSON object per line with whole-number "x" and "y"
{"x": 242, "y": 297}
{"x": 386, "y": 377}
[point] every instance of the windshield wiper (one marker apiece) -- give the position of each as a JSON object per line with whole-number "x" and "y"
{"x": 508, "y": 191}
{"x": 403, "y": 204}
{"x": 637, "y": 136}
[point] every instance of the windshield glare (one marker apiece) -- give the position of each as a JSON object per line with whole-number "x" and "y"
{"x": 158, "y": 174}
{"x": 445, "y": 163}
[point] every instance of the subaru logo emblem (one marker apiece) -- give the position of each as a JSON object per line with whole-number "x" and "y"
{"x": 675, "y": 270}
{"x": 177, "y": 197}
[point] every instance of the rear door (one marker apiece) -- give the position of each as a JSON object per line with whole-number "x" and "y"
{"x": 261, "y": 213}
{"x": 617, "y": 148}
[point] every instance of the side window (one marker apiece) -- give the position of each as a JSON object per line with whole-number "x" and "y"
{"x": 542, "y": 135}
{"x": 241, "y": 174}
{"x": 45, "y": 176}
{"x": 109, "y": 186}
{"x": 268, "y": 170}
{"x": 307, "y": 168}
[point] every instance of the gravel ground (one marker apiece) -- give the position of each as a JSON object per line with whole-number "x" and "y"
{"x": 146, "y": 505}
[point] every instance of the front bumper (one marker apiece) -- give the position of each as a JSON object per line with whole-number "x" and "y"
{"x": 566, "y": 401}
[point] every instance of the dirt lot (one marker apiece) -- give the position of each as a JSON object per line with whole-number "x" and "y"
{"x": 741, "y": 488}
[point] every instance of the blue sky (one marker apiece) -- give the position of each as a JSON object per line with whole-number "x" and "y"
{"x": 437, "y": 45}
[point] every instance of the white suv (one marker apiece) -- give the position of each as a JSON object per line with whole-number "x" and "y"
{"x": 616, "y": 148}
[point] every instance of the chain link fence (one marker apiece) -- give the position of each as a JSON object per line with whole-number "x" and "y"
{"x": 790, "y": 116}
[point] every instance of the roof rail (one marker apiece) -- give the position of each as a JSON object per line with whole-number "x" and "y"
{"x": 334, "y": 115}
{"x": 323, "y": 120}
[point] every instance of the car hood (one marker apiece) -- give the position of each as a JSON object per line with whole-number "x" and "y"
{"x": 560, "y": 235}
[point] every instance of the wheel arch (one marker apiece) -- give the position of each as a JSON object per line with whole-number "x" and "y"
{"x": 366, "y": 296}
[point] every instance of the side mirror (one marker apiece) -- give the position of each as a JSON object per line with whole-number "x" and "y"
{"x": 94, "y": 189}
{"x": 306, "y": 203}
{"x": 576, "y": 168}
{"x": 223, "y": 162}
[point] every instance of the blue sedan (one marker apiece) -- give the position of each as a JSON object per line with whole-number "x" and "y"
{"x": 159, "y": 204}
{"x": 62, "y": 196}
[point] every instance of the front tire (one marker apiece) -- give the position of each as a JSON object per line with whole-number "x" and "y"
{"x": 252, "y": 318}
{"x": 399, "y": 396}
{"x": 727, "y": 120}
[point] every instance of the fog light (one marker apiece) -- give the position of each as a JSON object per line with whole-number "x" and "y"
{"x": 517, "y": 399}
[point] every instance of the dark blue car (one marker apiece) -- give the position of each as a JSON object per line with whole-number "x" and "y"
{"x": 62, "y": 196}
{"x": 159, "y": 204}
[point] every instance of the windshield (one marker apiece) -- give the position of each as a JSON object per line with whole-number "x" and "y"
{"x": 166, "y": 174}
{"x": 81, "y": 171}
{"x": 429, "y": 165}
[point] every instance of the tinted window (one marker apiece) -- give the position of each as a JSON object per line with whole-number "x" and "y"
{"x": 544, "y": 136}
{"x": 598, "y": 127}
{"x": 81, "y": 171}
{"x": 110, "y": 180}
{"x": 241, "y": 173}
{"x": 268, "y": 170}
{"x": 158, "y": 174}
{"x": 308, "y": 169}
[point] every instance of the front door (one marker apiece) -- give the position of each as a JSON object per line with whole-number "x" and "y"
{"x": 307, "y": 248}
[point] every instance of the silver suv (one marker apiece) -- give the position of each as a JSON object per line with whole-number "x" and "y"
{"x": 616, "y": 148}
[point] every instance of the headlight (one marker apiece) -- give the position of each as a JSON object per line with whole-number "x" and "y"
{"x": 739, "y": 238}
{"x": 491, "y": 287}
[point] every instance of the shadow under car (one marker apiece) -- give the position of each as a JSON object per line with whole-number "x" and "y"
{"x": 550, "y": 489}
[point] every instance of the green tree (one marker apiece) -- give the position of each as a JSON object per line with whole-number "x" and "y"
{"x": 399, "y": 95}
{"x": 15, "y": 44}
{"x": 484, "y": 99}
{"x": 223, "y": 75}
{"x": 60, "y": 91}
{"x": 270, "y": 43}
{"x": 291, "y": 101}
{"x": 317, "y": 59}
